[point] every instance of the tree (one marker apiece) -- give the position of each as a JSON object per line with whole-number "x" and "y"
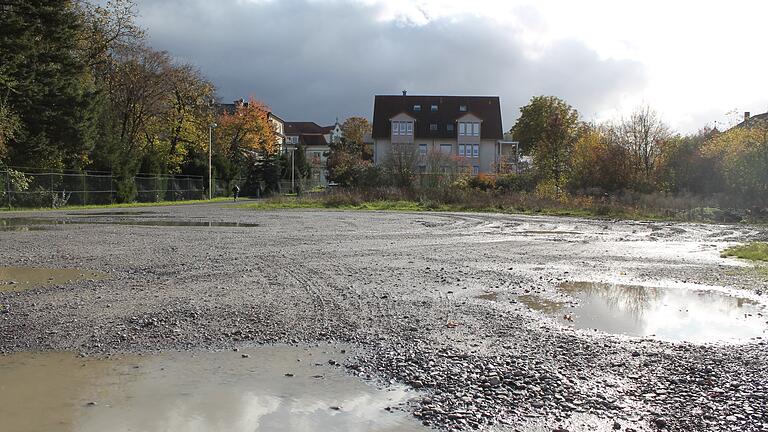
{"x": 741, "y": 155}
{"x": 535, "y": 118}
{"x": 247, "y": 132}
{"x": 354, "y": 130}
{"x": 682, "y": 167}
{"x": 547, "y": 129}
{"x": 401, "y": 164}
{"x": 345, "y": 165}
{"x": 46, "y": 83}
{"x": 9, "y": 124}
{"x": 598, "y": 163}
{"x": 643, "y": 134}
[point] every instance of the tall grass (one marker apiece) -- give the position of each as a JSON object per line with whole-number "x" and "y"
{"x": 625, "y": 206}
{"x": 757, "y": 251}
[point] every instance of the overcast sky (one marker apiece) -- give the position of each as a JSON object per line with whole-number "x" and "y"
{"x": 315, "y": 60}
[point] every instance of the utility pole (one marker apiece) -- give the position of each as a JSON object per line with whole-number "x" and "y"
{"x": 293, "y": 170}
{"x": 210, "y": 159}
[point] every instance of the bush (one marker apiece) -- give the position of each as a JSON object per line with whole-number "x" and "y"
{"x": 525, "y": 182}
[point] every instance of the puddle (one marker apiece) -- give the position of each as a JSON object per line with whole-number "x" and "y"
{"x": 275, "y": 388}
{"x": 671, "y": 314}
{"x": 24, "y": 278}
{"x": 32, "y": 224}
{"x": 112, "y": 213}
{"x": 488, "y": 296}
{"x": 550, "y": 232}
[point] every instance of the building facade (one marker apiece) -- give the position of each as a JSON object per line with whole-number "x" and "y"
{"x": 441, "y": 132}
{"x": 316, "y": 141}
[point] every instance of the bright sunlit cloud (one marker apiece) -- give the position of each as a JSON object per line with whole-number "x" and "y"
{"x": 693, "y": 61}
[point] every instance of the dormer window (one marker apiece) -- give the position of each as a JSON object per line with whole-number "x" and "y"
{"x": 433, "y": 108}
{"x": 463, "y": 108}
{"x": 417, "y": 108}
{"x": 402, "y": 128}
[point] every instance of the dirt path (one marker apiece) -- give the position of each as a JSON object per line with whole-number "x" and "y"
{"x": 404, "y": 286}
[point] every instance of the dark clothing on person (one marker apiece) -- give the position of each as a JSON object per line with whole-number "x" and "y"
{"x": 235, "y": 191}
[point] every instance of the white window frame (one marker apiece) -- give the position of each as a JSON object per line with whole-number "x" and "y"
{"x": 462, "y": 129}
{"x": 395, "y": 128}
{"x": 463, "y": 108}
{"x": 476, "y": 150}
{"x": 446, "y": 146}
{"x": 461, "y": 149}
{"x": 475, "y": 169}
{"x": 433, "y": 108}
{"x": 417, "y": 108}
{"x": 475, "y": 129}
{"x": 433, "y": 127}
{"x": 422, "y": 149}
{"x": 409, "y": 128}
{"x": 403, "y": 128}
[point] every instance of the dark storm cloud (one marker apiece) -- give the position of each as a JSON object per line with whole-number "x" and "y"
{"x": 316, "y": 61}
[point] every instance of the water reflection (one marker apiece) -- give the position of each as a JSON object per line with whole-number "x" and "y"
{"x": 200, "y": 392}
{"x": 33, "y": 224}
{"x": 672, "y": 314}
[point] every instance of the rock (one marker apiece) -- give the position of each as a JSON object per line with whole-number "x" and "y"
{"x": 616, "y": 425}
{"x": 245, "y": 355}
{"x": 660, "y": 423}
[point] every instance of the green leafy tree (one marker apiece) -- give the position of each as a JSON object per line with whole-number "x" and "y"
{"x": 46, "y": 83}
{"x": 741, "y": 155}
{"x": 354, "y": 130}
{"x": 547, "y": 129}
{"x": 597, "y": 163}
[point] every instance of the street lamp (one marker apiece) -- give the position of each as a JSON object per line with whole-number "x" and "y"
{"x": 210, "y": 158}
{"x": 293, "y": 170}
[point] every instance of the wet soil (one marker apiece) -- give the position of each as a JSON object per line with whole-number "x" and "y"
{"x": 401, "y": 287}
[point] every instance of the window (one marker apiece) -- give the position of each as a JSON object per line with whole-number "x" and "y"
{"x": 433, "y": 126}
{"x": 395, "y": 128}
{"x": 476, "y": 129}
{"x": 462, "y": 129}
{"x": 475, "y": 170}
{"x": 463, "y": 108}
{"x": 410, "y": 128}
{"x": 433, "y": 108}
{"x": 449, "y": 127}
{"x": 445, "y": 148}
{"x": 422, "y": 149}
{"x": 461, "y": 149}
{"x": 417, "y": 108}
{"x": 402, "y": 128}
{"x": 476, "y": 150}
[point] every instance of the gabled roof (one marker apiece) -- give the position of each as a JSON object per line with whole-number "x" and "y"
{"x": 313, "y": 140}
{"x": 486, "y": 108}
{"x": 299, "y": 128}
{"x": 755, "y": 120}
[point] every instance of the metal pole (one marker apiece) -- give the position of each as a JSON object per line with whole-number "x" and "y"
{"x": 293, "y": 186}
{"x": 210, "y": 157}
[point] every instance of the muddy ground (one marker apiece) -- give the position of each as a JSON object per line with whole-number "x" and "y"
{"x": 404, "y": 287}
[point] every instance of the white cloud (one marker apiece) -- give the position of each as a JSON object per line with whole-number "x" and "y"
{"x": 316, "y": 59}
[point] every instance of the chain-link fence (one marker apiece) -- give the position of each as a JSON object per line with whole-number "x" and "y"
{"x": 56, "y": 189}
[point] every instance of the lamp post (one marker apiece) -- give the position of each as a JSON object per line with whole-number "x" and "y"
{"x": 293, "y": 170}
{"x": 210, "y": 160}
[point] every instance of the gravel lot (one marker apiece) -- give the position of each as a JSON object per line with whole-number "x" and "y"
{"x": 403, "y": 286}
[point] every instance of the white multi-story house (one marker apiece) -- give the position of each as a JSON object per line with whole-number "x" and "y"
{"x": 316, "y": 140}
{"x": 466, "y": 130}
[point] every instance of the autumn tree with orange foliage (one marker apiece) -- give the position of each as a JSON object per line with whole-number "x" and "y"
{"x": 247, "y": 134}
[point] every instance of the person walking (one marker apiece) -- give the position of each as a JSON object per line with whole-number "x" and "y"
{"x": 235, "y": 191}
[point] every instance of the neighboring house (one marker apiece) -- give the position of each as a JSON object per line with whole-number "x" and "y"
{"x": 333, "y": 133}
{"x": 465, "y": 129}
{"x": 753, "y": 120}
{"x": 278, "y": 125}
{"x": 315, "y": 139}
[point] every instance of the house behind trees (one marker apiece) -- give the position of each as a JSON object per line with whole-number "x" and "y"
{"x": 466, "y": 130}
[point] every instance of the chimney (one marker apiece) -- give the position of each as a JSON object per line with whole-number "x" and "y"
{"x": 405, "y": 92}
{"x": 746, "y": 115}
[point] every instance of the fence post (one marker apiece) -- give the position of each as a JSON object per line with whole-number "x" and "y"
{"x": 53, "y": 197}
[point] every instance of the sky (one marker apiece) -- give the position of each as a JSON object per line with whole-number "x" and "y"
{"x": 698, "y": 63}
